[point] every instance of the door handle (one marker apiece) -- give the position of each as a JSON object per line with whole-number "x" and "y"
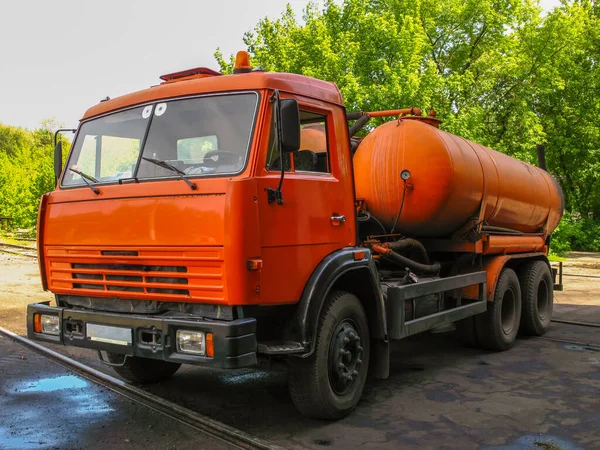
{"x": 337, "y": 220}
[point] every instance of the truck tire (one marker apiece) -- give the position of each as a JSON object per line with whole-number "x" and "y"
{"x": 497, "y": 328}
{"x": 537, "y": 288}
{"x": 329, "y": 383}
{"x": 143, "y": 370}
{"x": 466, "y": 332}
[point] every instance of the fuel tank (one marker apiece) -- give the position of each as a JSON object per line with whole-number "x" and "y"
{"x": 452, "y": 180}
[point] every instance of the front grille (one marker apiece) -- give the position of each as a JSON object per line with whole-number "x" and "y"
{"x": 144, "y": 273}
{"x": 142, "y": 278}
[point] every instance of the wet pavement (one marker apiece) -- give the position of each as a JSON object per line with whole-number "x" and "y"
{"x": 541, "y": 394}
{"x": 544, "y": 393}
{"x": 43, "y": 406}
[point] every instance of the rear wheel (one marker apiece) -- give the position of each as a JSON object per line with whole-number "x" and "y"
{"x": 329, "y": 383}
{"x": 143, "y": 370}
{"x": 497, "y": 328}
{"x": 537, "y": 288}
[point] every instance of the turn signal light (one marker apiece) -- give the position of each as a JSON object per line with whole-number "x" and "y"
{"x": 37, "y": 323}
{"x": 210, "y": 346}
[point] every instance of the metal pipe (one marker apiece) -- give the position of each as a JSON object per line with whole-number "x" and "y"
{"x": 426, "y": 269}
{"x": 356, "y": 126}
{"x": 395, "y": 112}
{"x": 354, "y": 115}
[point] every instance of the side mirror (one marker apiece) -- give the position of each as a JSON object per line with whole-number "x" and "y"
{"x": 57, "y": 160}
{"x": 290, "y": 126}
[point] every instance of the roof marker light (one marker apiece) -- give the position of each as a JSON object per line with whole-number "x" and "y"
{"x": 242, "y": 62}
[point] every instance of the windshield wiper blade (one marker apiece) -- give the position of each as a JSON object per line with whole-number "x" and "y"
{"x": 168, "y": 166}
{"x": 85, "y": 177}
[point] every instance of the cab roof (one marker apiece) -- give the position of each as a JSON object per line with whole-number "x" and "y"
{"x": 285, "y": 82}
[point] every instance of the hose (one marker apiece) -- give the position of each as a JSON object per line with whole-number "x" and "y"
{"x": 416, "y": 249}
{"x": 400, "y": 210}
{"x": 365, "y": 216}
{"x": 403, "y": 261}
{"x": 502, "y": 230}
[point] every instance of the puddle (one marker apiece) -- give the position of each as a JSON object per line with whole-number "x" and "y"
{"x": 11, "y": 440}
{"x": 244, "y": 378}
{"x": 27, "y": 406}
{"x": 53, "y": 384}
{"x": 537, "y": 442}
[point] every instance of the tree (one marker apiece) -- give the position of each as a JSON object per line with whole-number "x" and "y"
{"x": 26, "y": 170}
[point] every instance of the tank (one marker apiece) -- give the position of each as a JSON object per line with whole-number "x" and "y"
{"x": 452, "y": 180}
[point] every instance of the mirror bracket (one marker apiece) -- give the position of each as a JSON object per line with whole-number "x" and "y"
{"x": 274, "y": 195}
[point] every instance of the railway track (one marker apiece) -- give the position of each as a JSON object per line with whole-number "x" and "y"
{"x": 19, "y": 250}
{"x": 186, "y": 416}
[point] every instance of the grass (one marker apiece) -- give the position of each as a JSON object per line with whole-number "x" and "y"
{"x": 553, "y": 257}
{"x": 24, "y": 238}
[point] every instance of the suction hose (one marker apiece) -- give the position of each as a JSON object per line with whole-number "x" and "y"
{"x": 415, "y": 248}
{"x": 425, "y": 269}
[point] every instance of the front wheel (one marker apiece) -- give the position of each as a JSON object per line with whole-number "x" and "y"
{"x": 329, "y": 383}
{"x": 142, "y": 370}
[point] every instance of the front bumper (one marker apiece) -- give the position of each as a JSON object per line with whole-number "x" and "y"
{"x": 153, "y": 336}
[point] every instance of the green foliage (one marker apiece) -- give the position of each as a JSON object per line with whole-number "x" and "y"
{"x": 576, "y": 233}
{"x": 26, "y": 171}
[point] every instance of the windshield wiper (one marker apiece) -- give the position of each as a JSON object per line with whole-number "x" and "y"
{"x": 168, "y": 166}
{"x": 85, "y": 177}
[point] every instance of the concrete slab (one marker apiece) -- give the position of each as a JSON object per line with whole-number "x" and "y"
{"x": 43, "y": 406}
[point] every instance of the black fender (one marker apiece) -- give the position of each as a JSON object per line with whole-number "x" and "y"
{"x": 352, "y": 265}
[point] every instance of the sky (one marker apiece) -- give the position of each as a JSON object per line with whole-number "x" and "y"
{"x": 60, "y": 57}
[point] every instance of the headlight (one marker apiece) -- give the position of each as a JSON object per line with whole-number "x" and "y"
{"x": 47, "y": 324}
{"x": 191, "y": 342}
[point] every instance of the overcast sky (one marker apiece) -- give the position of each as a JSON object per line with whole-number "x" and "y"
{"x": 60, "y": 57}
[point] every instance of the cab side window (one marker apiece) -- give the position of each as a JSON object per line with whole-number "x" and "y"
{"x": 313, "y": 155}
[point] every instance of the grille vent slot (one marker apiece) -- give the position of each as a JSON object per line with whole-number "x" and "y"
{"x": 134, "y": 275}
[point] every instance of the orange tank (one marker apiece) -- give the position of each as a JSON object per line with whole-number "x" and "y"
{"x": 452, "y": 181}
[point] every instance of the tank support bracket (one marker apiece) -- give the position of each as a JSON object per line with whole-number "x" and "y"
{"x": 399, "y": 327}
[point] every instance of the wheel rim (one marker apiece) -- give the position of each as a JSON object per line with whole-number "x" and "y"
{"x": 345, "y": 357}
{"x": 542, "y": 299}
{"x": 508, "y": 311}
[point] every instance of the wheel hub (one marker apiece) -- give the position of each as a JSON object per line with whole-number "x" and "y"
{"x": 345, "y": 357}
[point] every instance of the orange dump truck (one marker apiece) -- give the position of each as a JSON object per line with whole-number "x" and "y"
{"x": 219, "y": 219}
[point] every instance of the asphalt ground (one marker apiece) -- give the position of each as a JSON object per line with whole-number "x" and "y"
{"x": 543, "y": 393}
{"x": 44, "y": 406}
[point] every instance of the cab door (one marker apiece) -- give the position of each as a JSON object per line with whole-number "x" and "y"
{"x": 317, "y": 216}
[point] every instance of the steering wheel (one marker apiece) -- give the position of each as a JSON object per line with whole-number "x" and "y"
{"x": 220, "y": 154}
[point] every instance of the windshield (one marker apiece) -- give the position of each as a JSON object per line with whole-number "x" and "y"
{"x": 200, "y": 136}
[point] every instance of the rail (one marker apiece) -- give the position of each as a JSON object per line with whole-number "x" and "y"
{"x": 13, "y": 249}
